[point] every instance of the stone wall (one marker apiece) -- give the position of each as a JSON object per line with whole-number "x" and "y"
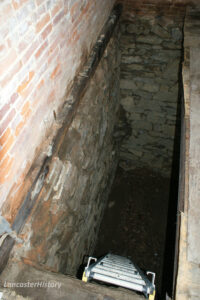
{"x": 151, "y": 56}
{"x": 156, "y": 7}
{"x": 64, "y": 223}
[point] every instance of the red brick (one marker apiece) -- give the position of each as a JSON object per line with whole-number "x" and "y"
{"x": 55, "y": 71}
{"x": 76, "y": 37}
{"x": 53, "y": 45}
{"x": 30, "y": 51}
{"x": 4, "y": 163}
{"x": 22, "y": 46}
{"x": 41, "y": 83}
{"x": 39, "y": 2}
{"x": 65, "y": 10}
{"x": 25, "y": 108}
{"x": 6, "y": 107}
{"x": 2, "y": 48}
{"x": 81, "y": 16}
{"x": 52, "y": 55}
{"x": 27, "y": 114}
{"x": 4, "y": 124}
{"x": 13, "y": 125}
{"x": 46, "y": 31}
{"x": 58, "y": 17}
{"x": 56, "y": 8}
{"x": 51, "y": 97}
{"x": 73, "y": 9}
{"x": 86, "y": 8}
{"x": 13, "y": 98}
{"x": 4, "y": 110}
{"x": 20, "y": 140}
{"x": 19, "y": 127}
{"x": 37, "y": 101}
{"x": 4, "y": 172}
{"x": 42, "y": 22}
{"x": 7, "y": 146}
{"x": 6, "y": 12}
{"x": 41, "y": 49}
{"x": 63, "y": 43}
{"x": 18, "y": 3}
{"x": 73, "y": 38}
{"x": 38, "y": 92}
{"x": 40, "y": 11}
{"x": 25, "y": 83}
{"x": 14, "y": 70}
{"x": 4, "y": 137}
{"x": 28, "y": 91}
{"x": 8, "y": 61}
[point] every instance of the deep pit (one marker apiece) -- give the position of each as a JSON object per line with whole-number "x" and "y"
{"x": 135, "y": 220}
{"x": 106, "y": 177}
{"x": 140, "y": 218}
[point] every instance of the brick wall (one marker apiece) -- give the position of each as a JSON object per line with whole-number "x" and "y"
{"x": 43, "y": 45}
{"x": 63, "y": 224}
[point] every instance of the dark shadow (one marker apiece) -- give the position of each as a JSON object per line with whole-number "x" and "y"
{"x": 171, "y": 254}
{"x": 81, "y": 268}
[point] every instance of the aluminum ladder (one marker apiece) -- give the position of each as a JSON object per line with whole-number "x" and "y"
{"x": 120, "y": 271}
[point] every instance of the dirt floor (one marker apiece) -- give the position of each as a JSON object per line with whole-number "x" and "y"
{"x": 134, "y": 224}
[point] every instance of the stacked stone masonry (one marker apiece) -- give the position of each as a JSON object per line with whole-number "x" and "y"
{"x": 176, "y": 8}
{"x": 151, "y": 57}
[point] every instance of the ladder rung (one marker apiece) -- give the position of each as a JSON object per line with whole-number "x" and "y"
{"x": 118, "y": 270}
{"x": 109, "y": 265}
{"x": 118, "y": 263}
{"x": 118, "y": 275}
{"x": 122, "y": 283}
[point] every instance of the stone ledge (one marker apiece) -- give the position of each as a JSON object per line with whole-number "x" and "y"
{"x": 70, "y": 289}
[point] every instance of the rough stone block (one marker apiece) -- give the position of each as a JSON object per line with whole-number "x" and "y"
{"x": 153, "y": 79}
{"x": 151, "y": 88}
{"x": 131, "y": 59}
{"x": 160, "y": 31}
{"x": 127, "y": 84}
{"x": 150, "y": 39}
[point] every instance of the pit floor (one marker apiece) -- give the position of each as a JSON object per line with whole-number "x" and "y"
{"x": 135, "y": 220}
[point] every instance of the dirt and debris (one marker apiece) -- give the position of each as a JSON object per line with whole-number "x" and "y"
{"x": 134, "y": 223}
